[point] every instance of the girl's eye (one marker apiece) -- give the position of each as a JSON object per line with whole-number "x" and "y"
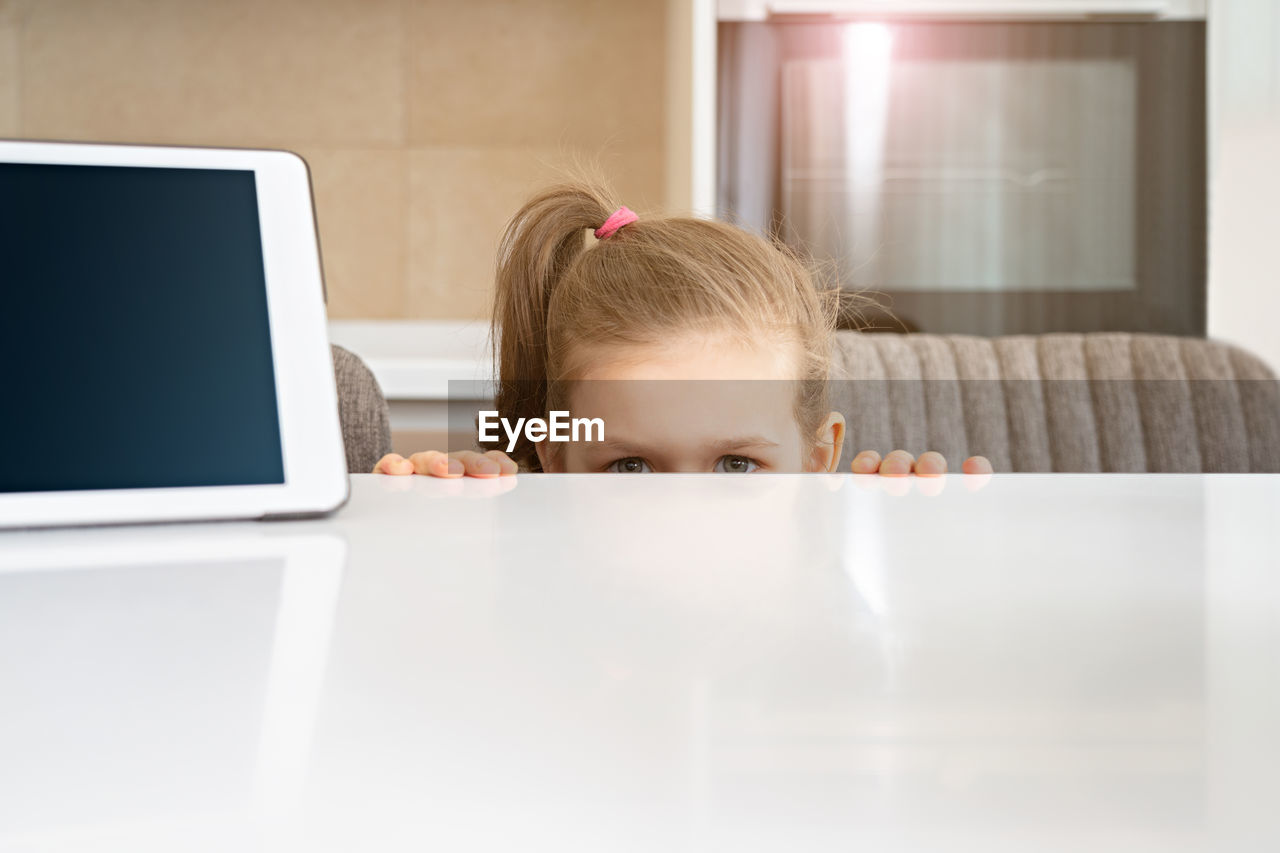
{"x": 735, "y": 465}
{"x": 630, "y": 465}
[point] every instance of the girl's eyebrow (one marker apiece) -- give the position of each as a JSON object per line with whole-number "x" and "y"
{"x": 744, "y": 442}
{"x": 622, "y": 446}
{"x": 723, "y": 445}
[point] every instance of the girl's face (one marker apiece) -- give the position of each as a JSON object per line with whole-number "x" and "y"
{"x": 692, "y": 406}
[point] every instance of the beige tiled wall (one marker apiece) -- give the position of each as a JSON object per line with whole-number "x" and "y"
{"x": 10, "y": 38}
{"x": 425, "y": 121}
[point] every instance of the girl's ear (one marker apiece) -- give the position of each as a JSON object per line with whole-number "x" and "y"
{"x": 548, "y": 459}
{"x": 829, "y": 443}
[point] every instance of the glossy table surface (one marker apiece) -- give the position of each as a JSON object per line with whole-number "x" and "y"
{"x": 812, "y": 662}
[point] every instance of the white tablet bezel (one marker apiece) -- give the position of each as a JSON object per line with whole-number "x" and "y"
{"x": 315, "y": 475}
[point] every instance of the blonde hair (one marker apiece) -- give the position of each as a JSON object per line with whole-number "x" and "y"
{"x": 556, "y": 296}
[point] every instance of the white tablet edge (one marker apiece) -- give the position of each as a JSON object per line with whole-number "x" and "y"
{"x": 314, "y": 461}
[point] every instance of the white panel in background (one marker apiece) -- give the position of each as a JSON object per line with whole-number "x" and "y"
{"x": 759, "y": 10}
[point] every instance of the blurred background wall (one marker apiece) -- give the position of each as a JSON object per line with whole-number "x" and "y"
{"x": 425, "y": 122}
{"x": 1244, "y": 186}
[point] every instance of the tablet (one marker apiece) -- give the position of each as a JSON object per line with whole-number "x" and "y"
{"x": 163, "y": 351}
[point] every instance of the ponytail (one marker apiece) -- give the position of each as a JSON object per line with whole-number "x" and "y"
{"x": 541, "y": 242}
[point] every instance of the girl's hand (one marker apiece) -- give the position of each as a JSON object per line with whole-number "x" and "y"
{"x": 433, "y": 463}
{"x": 900, "y": 463}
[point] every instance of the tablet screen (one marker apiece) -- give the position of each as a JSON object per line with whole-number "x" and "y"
{"x": 135, "y": 350}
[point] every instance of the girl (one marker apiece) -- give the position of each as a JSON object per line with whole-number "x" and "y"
{"x": 602, "y": 331}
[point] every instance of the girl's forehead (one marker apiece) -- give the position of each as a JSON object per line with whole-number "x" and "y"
{"x": 652, "y": 417}
{"x": 722, "y": 357}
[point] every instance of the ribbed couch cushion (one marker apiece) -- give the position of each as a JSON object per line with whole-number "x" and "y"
{"x": 1060, "y": 402}
{"x": 362, "y": 409}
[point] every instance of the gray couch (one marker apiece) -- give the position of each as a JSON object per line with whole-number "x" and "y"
{"x": 1061, "y": 402}
{"x": 362, "y": 409}
{"x": 1095, "y": 402}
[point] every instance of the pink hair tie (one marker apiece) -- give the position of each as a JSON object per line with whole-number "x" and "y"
{"x": 620, "y": 217}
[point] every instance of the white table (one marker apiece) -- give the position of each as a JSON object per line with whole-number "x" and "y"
{"x": 657, "y": 663}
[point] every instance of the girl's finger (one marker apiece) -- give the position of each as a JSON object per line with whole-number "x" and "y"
{"x": 433, "y": 463}
{"x": 931, "y": 464}
{"x": 475, "y": 464}
{"x": 897, "y": 464}
{"x": 866, "y": 462}
{"x": 976, "y": 465}
{"x": 506, "y": 465}
{"x": 393, "y": 463}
